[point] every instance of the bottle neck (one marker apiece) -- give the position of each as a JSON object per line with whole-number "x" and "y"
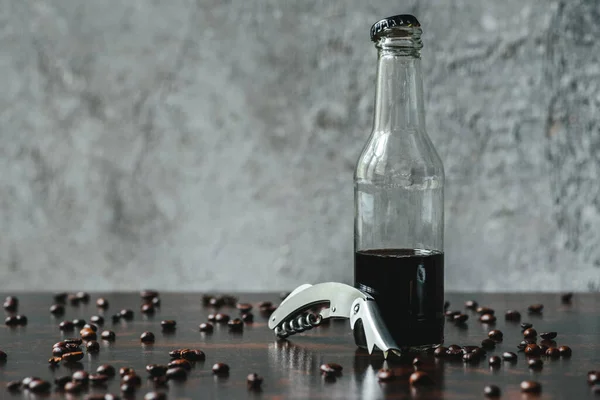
{"x": 399, "y": 94}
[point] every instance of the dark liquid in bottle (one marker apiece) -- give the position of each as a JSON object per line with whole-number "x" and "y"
{"x": 408, "y": 286}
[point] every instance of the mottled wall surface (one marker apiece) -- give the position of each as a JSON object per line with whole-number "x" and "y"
{"x": 210, "y": 144}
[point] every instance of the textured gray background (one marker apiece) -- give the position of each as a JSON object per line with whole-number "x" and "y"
{"x": 210, "y": 144}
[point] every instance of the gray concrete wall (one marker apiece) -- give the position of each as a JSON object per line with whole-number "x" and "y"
{"x": 189, "y": 145}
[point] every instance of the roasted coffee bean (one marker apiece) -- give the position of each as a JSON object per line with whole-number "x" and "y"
{"x": 220, "y": 369}
{"x": 512, "y": 315}
{"x": 535, "y": 308}
{"x": 524, "y": 343}
{"x": 485, "y": 310}
{"x": 13, "y": 386}
{"x": 526, "y": 325}
{"x": 235, "y": 325}
{"x": 11, "y": 304}
{"x": 267, "y": 311}
{"x": 566, "y": 298}
{"x": 98, "y": 379}
{"x": 79, "y": 323}
{"x": 552, "y": 352}
{"x": 565, "y": 351}
{"x": 80, "y": 376}
{"x": 548, "y": 335}
{"x": 535, "y": 363}
{"x": 115, "y": 318}
{"x": 593, "y": 377}
{"x": 533, "y": 350}
{"x": 446, "y": 304}
{"x": 147, "y": 337}
{"x": 265, "y": 304}
{"x": 148, "y": 294}
{"x": 39, "y": 386}
{"x": 488, "y": 318}
{"x": 471, "y": 357}
{"x": 71, "y": 341}
{"x": 450, "y": 314}
{"x": 254, "y": 381}
{"x": 54, "y": 361}
{"x": 58, "y": 351}
{"x": 193, "y": 355}
{"x": 176, "y": 374}
{"x": 108, "y": 336}
{"x": 11, "y": 321}
{"x": 147, "y": 308}
{"x": 126, "y": 314}
{"x": 88, "y": 334}
{"x": 74, "y": 387}
{"x": 126, "y": 371}
{"x": 168, "y": 325}
{"x": 548, "y": 343}
{"x": 221, "y": 318}
{"x": 132, "y": 379}
{"x": 175, "y": 353}
{"x": 127, "y": 388}
{"x": 509, "y": 356}
{"x": 420, "y": 378}
{"x": 440, "y": 351}
{"x": 496, "y": 335}
{"x": 385, "y": 375}
{"x": 212, "y": 317}
{"x": 494, "y": 360}
{"x": 491, "y": 391}
{"x": 97, "y": 319}
{"x": 92, "y": 346}
{"x": 160, "y": 381}
{"x": 155, "y": 396}
{"x": 180, "y": 363}
{"x": 91, "y": 326}
{"x": 460, "y": 318}
{"x": 102, "y": 303}
{"x": 62, "y": 381}
{"x": 71, "y": 347}
{"x": 73, "y": 299}
{"x": 61, "y": 297}
{"x": 206, "y": 327}
{"x": 156, "y": 369}
{"x": 471, "y": 304}
{"x": 488, "y": 344}
{"x": 417, "y": 361}
{"x": 479, "y": 352}
{"x": 156, "y": 302}
{"x": 248, "y": 318}
{"x": 530, "y": 333}
{"x": 531, "y": 387}
{"x": 106, "y": 369}
{"x": 21, "y": 320}
{"x": 454, "y": 353}
{"x": 28, "y": 379}
{"x": 83, "y": 296}
{"x": 3, "y": 356}
{"x": 215, "y": 302}
{"x": 206, "y": 299}
{"x": 469, "y": 349}
{"x": 454, "y": 347}
{"x": 335, "y": 367}
{"x": 72, "y": 357}
{"x": 57, "y": 309}
{"x": 229, "y": 300}
{"x": 244, "y": 307}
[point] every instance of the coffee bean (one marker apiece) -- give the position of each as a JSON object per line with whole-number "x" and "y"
{"x": 533, "y": 350}
{"x": 156, "y": 369}
{"x": 11, "y": 304}
{"x": 509, "y": 356}
{"x": 494, "y": 360}
{"x": 108, "y": 336}
{"x": 469, "y": 349}
{"x": 566, "y": 298}
{"x": 147, "y": 308}
{"x": 488, "y": 318}
{"x": 220, "y": 369}
{"x": 530, "y": 333}
{"x": 115, "y": 318}
{"x": 454, "y": 347}
{"x": 73, "y": 299}
{"x": 526, "y": 325}
{"x": 420, "y": 378}
{"x": 160, "y": 381}
{"x": 72, "y": 357}
{"x": 156, "y": 302}
{"x": 71, "y": 347}
{"x": 454, "y": 353}
{"x": 98, "y": 379}
{"x": 244, "y": 307}
{"x": 54, "y": 361}
{"x": 552, "y": 352}
{"x": 265, "y": 304}
{"x": 57, "y": 309}
{"x": 175, "y": 353}
{"x": 491, "y": 391}
{"x": 176, "y": 374}
{"x": 460, "y": 318}
{"x": 193, "y": 355}
{"x": 106, "y": 369}
{"x": 254, "y": 381}
{"x": 215, "y": 302}
{"x": 83, "y": 296}
{"x": 417, "y": 361}
{"x": 13, "y": 386}
{"x": 3, "y": 356}
{"x": 565, "y": 351}
{"x": 39, "y": 386}
{"x": 535, "y": 308}
{"x": 235, "y": 325}
{"x": 512, "y": 315}
{"x": 450, "y": 314}
{"x": 548, "y": 343}
{"x": 485, "y": 310}
{"x": 168, "y": 325}
{"x": 155, "y": 396}
{"x": 248, "y": 318}
{"x": 206, "y": 327}
{"x": 88, "y": 334}
{"x": 488, "y": 344}
{"x": 471, "y": 304}
{"x": 446, "y": 305}
{"x": 125, "y": 371}
{"x": 148, "y": 294}
{"x": 385, "y": 375}
{"x": 221, "y": 318}
{"x": 126, "y": 314}
{"x": 229, "y": 300}
{"x": 91, "y": 326}
{"x": 73, "y": 387}
{"x": 62, "y": 381}
{"x": 593, "y": 377}
{"x": 496, "y": 335}
{"x": 471, "y": 357}
{"x": 524, "y": 343}
{"x": 61, "y": 297}
{"x": 11, "y": 321}
{"x": 28, "y": 379}
{"x": 180, "y": 363}
{"x": 102, "y": 303}
{"x": 440, "y": 351}
{"x": 531, "y": 387}
{"x": 97, "y": 319}
{"x": 548, "y": 335}
{"x": 92, "y": 346}
{"x": 132, "y": 379}
{"x": 58, "y": 351}
{"x": 535, "y": 363}
{"x": 267, "y": 311}
{"x": 147, "y": 337}
{"x": 479, "y": 352}
{"x": 21, "y": 320}
{"x": 80, "y": 376}
{"x": 127, "y": 388}
{"x": 79, "y": 323}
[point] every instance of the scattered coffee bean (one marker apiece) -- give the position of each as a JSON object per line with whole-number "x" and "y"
{"x": 235, "y": 325}
{"x": 548, "y": 335}
{"x": 496, "y": 335}
{"x": 229, "y": 300}
{"x": 512, "y": 315}
{"x": 221, "y": 318}
{"x": 535, "y": 308}
{"x": 126, "y": 314}
{"x": 156, "y": 302}
{"x": 385, "y": 375}
{"x": 147, "y": 337}
{"x": 267, "y": 311}
{"x": 565, "y": 351}
{"x": 469, "y": 349}
{"x": 248, "y": 318}
{"x": 155, "y": 396}
{"x": 97, "y": 319}
{"x": 244, "y": 307}
{"x": 440, "y": 351}
{"x": 39, "y": 386}
{"x": 460, "y": 318}
{"x": 524, "y": 343}
{"x": 454, "y": 347}
{"x": 535, "y": 363}
{"x": 57, "y": 309}
{"x": 11, "y": 321}
{"x": 533, "y": 350}
{"x": 83, "y": 297}
{"x": 156, "y": 369}
{"x": 450, "y": 314}
{"x": 417, "y": 361}
{"x": 71, "y": 347}
{"x": 88, "y": 334}
{"x": 108, "y": 336}
{"x": 58, "y": 351}
{"x": 92, "y": 346}
{"x": 193, "y": 355}
{"x": 526, "y": 325}
{"x": 254, "y": 381}
{"x": 13, "y": 386}
{"x": 494, "y": 360}
{"x": 28, "y": 379}
{"x": 206, "y": 327}
{"x": 471, "y": 304}
{"x": 61, "y": 297}
{"x": 132, "y": 379}
{"x": 102, "y": 303}
{"x": 177, "y": 374}
{"x": 488, "y": 344}
{"x": 160, "y": 381}
{"x": 106, "y": 369}
{"x": 485, "y": 310}
{"x": 175, "y": 353}
{"x": 471, "y": 357}
{"x": 11, "y": 304}
{"x": 488, "y": 318}
{"x": 168, "y": 325}
{"x": 73, "y": 299}
{"x": 220, "y": 369}
{"x": 21, "y": 320}
{"x": 566, "y": 298}
{"x": 509, "y": 356}
{"x": 72, "y": 357}
{"x": 54, "y": 361}
{"x": 530, "y": 333}
{"x": 148, "y": 294}
{"x": 420, "y": 378}
{"x": 115, "y": 318}
{"x": 215, "y": 302}
{"x": 147, "y": 308}
{"x": 491, "y": 391}
{"x": 73, "y": 387}
{"x": 265, "y": 304}
{"x": 593, "y": 377}
{"x": 180, "y": 363}
{"x": 446, "y": 305}
{"x": 127, "y": 388}
{"x": 80, "y": 376}
{"x": 454, "y": 353}
{"x": 98, "y": 379}
{"x": 531, "y": 387}
{"x": 552, "y": 352}
{"x": 79, "y": 323}
{"x": 479, "y": 352}
{"x": 125, "y": 371}
{"x": 91, "y": 326}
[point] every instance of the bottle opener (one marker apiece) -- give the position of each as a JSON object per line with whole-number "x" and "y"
{"x": 294, "y": 314}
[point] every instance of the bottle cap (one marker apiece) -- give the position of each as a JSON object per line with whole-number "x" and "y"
{"x": 399, "y": 21}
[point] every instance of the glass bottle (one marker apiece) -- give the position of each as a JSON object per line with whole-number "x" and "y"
{"x": 399, "y": 196}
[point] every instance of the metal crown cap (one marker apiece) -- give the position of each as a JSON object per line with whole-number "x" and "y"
{"x": 400, "y": 21}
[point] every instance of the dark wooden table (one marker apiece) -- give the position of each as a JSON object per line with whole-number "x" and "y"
{"x": 291, "y": 368}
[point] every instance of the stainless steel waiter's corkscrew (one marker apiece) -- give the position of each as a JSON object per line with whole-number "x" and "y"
{"x": 293, "y": 314}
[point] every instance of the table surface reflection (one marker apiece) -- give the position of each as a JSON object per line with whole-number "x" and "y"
{"x": 291, "y": 367}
